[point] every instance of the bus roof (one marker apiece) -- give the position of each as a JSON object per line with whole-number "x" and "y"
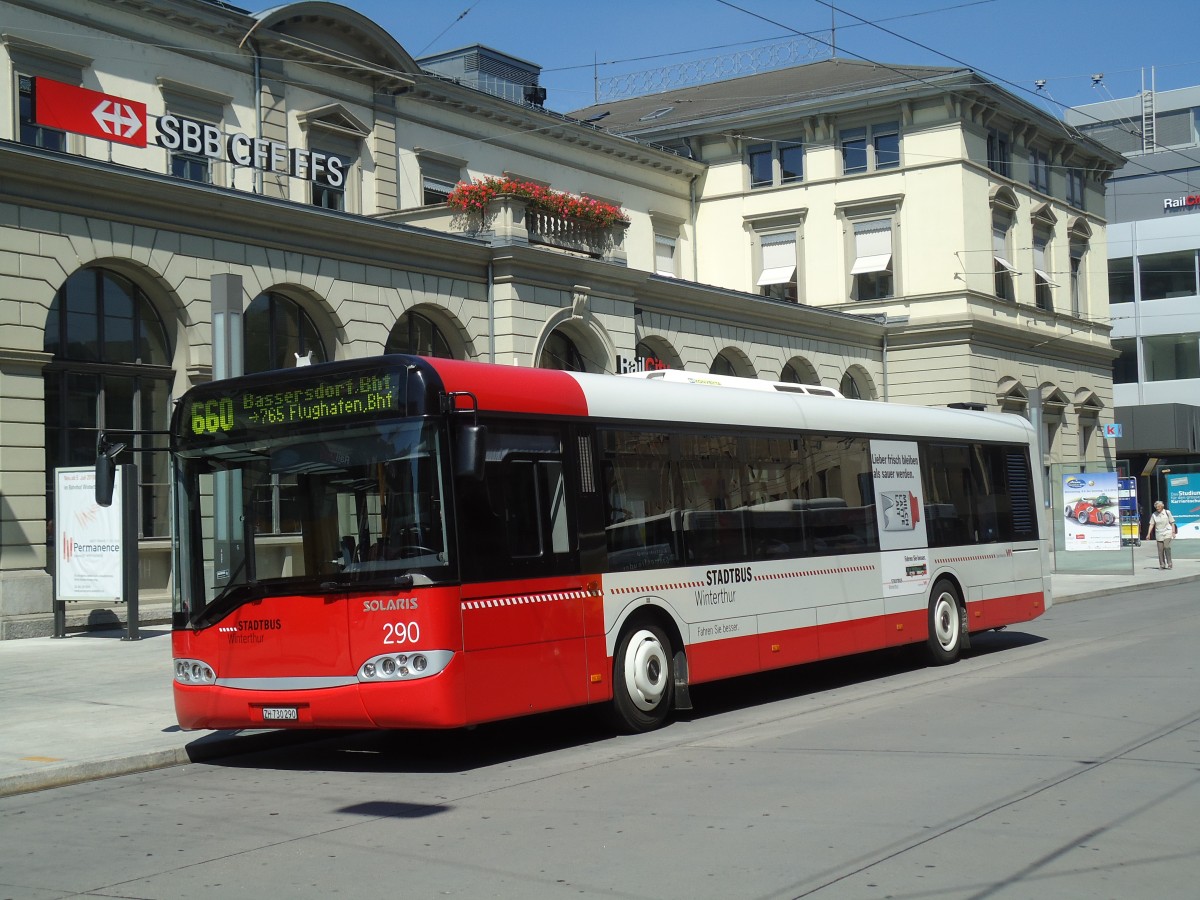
{"x": 363, "y": 389}
{"x": 700, "y": 401}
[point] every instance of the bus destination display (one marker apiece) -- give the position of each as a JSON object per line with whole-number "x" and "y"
{"x": 326, "y": 401}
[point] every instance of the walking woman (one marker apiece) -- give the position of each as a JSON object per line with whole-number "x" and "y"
{"x": 1162, "y": 526}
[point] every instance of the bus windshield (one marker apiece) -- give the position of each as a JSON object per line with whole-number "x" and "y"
{"x": 311, "y": 513}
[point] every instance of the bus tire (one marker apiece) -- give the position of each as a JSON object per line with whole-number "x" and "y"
{"x": 643, "y": 679}
{"x": 944, "y": 643}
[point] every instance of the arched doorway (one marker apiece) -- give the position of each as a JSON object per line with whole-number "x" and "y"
{"x": 732, "y": 361}
{"x": 110, "y": 369}
{"x": 654, "y": 353}
{"x": 722, "y": 365}
{"x": 798, "y": 370}
{"x": 560, "y": 352}
{"x": 277, "y": 333}
{"x": 850, "y": 387}
{"x": 418, "y": 334}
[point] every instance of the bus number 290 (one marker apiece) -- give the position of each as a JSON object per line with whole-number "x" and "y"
{"x": 401, "y": 632}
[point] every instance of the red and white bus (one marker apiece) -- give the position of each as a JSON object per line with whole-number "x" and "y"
{"x": 405, "y": 542}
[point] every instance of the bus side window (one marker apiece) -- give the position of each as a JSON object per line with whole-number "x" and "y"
{"x": 714, "y": 519}
{"x": 536, "y": 507}
{"x": 517, "y": 521}
{"x": 642, "y": 519}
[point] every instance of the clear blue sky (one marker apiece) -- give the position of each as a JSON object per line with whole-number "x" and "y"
{"x": 1062, "y": 41}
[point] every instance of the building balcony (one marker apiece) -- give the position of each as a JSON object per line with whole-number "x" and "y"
{"x": 509, "y": 219}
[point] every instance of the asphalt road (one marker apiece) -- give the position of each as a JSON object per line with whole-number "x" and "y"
{"x": 1061, "y": 759}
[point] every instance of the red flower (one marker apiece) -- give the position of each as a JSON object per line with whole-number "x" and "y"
{"x": 466, "y": 197}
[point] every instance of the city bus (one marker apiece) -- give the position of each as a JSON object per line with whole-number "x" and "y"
{"x": 408, "y": 542}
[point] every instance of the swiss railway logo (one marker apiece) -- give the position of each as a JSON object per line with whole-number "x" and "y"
{"x": 90, "y": 113}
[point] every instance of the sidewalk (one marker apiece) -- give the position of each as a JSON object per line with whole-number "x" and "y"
{"x": 93, "y": 705}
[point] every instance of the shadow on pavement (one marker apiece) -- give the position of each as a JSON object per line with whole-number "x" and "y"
{"x": 441, "y": 752}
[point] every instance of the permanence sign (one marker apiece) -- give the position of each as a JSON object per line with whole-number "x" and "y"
{"x": 88, "y": 538}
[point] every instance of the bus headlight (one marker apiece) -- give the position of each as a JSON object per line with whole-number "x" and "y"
{"x": 194, "y": 671}
{"x": 404, "y": 666}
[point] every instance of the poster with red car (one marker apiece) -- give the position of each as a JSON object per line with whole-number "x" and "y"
{"x": 1091, "y": 505}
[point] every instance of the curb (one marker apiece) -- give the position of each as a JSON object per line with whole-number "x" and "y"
{"x": 1126, "y": 589}
{"x": 204, "y": 749}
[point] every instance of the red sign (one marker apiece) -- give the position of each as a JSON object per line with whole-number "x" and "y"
{"x": 70, "y": 108}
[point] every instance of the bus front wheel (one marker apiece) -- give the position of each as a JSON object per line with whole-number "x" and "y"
{"x": 643, "y": 679}
{"x": 945, "y": 624}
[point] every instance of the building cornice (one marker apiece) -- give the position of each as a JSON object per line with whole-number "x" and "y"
{"x": 103, "y": 190}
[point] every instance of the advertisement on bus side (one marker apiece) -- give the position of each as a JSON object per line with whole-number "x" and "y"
{"x": 1091, "y": 507}
{"x": 900, "y": 515}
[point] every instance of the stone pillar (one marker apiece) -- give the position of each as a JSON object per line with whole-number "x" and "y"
{"x": 506, "y": 215}
{"x": 26, "y": 588}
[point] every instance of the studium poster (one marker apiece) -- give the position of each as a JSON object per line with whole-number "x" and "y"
{"x": 1183, "y": 500}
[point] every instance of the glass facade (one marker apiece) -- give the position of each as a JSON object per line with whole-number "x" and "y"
{"x": 1171, "y": 357}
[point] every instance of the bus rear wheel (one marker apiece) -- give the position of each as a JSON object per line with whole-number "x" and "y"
{"x": 944, "y": 643}
{"x": 643, "y": 679}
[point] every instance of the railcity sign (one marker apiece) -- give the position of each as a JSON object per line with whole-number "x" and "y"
{"x": 1175, "y": 204}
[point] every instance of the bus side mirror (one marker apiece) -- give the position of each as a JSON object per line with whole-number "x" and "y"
{"x": 106, "y": 470}
{"x": 469, "y": 453}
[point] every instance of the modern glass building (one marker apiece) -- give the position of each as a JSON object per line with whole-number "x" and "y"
{"x": 1153, "y": 211}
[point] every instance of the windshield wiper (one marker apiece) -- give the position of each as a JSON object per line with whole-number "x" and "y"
{"x": 400, "y": 582}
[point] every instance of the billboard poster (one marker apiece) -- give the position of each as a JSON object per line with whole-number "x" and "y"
{"x": 88, "y": 538}
{"x": 1183, "y": 500}
{"x": 900, "y": 516}
{"x": 1092, "y": 510}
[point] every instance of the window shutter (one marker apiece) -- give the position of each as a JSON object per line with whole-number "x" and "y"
{"x": 778, "y": 259}
{"x": 664, "y": 255}
{"x": 872, "y": 246}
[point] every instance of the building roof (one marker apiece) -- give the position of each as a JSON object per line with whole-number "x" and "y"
{"x": 760, "y": 93}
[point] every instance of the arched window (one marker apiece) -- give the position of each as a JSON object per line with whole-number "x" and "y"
{"x": 417, "y": 334}
{"x": 722, "y": 365}
{"x": 799, "y": 371}
{"x": 111, "y": 369}
{"x": 276, "y": 331}
{"x": 850, "y": 387}
{"x": 649, "y": 359}
{"x": 560, "y": 352}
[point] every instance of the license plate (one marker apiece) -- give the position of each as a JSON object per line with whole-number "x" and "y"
{"x": 281, "y": 713}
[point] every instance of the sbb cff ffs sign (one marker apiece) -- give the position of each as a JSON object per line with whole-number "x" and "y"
{"x": 91, "y": 113}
